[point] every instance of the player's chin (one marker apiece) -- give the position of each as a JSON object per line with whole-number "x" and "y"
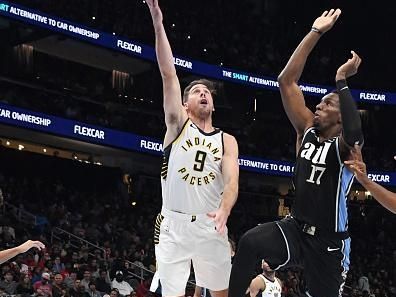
{"x": 316, "y": 123}
{"x": 204, "y": 112}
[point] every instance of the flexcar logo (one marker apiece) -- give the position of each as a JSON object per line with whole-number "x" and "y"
{"x": 373, "y": 96}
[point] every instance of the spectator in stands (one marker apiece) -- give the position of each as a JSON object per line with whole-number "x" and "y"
{"x": 118, "y": 282}
{"x": 84, "y": 254}
{"x": 81, "y": 291}
{"x": 58, "y": 267}
{"x": 75, "y": 258}
{"x": 363, "y": 284}
{"x": 25, "y": 287}
{"x": 36, "y": 276}
{"x": 114, "y": 293}
{"x": 75, "y": 291}
{"x": 8, "y": 283}
{"x": 103, "y": 282}
{"x": 86, "y": 279}
{"x": 43, "y": 287}
{"x": 92, "y": 290}
{"x": 58, "y": 285}
{"x": 70, "y": 279}
{"x": 93, "y": 267}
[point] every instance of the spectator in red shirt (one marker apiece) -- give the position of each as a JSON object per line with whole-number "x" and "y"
{"x": 43, "y": 287}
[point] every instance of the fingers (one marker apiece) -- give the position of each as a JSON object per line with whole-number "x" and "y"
{"x": 39, "y": 245}
{"x": 358, "y": 153}
{"x": 356, "y": 59}
{"x": 356, "y": 166}
{"x": 334, "y": 13}
{"x": 337, "y": 13}
{"x": 220, "y": 227}
{"x": 211, "y": 214}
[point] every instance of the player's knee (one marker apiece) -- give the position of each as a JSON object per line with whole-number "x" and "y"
{"x": 247, "y": 242}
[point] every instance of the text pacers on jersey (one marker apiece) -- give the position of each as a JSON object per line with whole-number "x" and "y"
{"x": 195, "y": 180}
{"x": 205, "y": 149}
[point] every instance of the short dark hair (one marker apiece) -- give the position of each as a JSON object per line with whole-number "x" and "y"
{"x": 209, "y": 84}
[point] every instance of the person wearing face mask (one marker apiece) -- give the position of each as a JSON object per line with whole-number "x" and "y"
{"x": 123, "y": 287}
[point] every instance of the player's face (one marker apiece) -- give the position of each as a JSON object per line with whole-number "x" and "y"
{"x": 200, "y": 101}
{"x": 265, "y": 266}
{"x": 327, "y": 112}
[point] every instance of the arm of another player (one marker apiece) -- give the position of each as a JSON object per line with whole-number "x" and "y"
{"x": 292, "y": 97}
{"x": 382, "y": 195}
{"x": 230, "y": 171}
{"x": 11, "y": 253}
{"x": 175, "y": 114}
{"x": 256, "y": 286}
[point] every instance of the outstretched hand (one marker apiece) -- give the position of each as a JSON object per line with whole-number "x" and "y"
{"x": 356, "y": 164}
{"x": 326, "y": 21}
{"x": 24, "y": 247}
{"x": 155, "y": 11}
{"x": 349, "y": 68}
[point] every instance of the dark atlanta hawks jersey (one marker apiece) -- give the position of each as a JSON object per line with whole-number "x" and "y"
{"x": 191, "y": 176}
{"x": 322, "y": 183}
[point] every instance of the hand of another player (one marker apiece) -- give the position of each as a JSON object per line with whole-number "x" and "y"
{"x": 24, "y": 247}
{"x": 220, "y": 217}
{"x": 326, "y": 21}
{"x": 155, "y": 11}
{"x": 349, "y": 68}
{"x": 356, "y": 164}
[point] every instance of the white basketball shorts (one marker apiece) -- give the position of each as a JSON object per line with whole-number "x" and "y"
{"x": 182, "y": 239}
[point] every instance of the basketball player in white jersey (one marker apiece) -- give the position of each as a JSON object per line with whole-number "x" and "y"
{"x": 266, "y": 282}
{"x": 199, "y": 183}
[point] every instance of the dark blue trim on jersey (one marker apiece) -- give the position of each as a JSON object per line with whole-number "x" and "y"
{"x": 346, "y": 181}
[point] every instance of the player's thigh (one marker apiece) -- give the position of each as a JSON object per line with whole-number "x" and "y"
{"x": 212, "y": 257}
{"x": 173, "y": 257}
{"x": 326, "y": 263}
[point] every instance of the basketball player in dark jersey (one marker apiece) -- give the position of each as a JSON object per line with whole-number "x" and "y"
{"x": 386, "y": 198}
{"x": 316, "y": 234}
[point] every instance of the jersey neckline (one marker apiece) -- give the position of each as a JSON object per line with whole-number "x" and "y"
{"x": 215, "y": 131}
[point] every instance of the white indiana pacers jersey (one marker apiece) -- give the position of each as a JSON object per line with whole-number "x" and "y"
{"x": 272, "y": 288}
{"x": 191, "y": 177}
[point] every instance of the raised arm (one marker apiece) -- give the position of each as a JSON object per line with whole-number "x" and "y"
{"x": 351, "y": 125}
{"x": 386, "y": 198}
{"x": 11, "y": 253}
{"x": 230, "y": 170}
{"x": 175, "y": 114}
{"x": 292, "y": 97}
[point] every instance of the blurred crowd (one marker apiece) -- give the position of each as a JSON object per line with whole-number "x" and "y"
{"x": 73, "y": 90}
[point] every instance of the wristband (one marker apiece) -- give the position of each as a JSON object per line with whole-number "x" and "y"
{"x": 314, "y": 29}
